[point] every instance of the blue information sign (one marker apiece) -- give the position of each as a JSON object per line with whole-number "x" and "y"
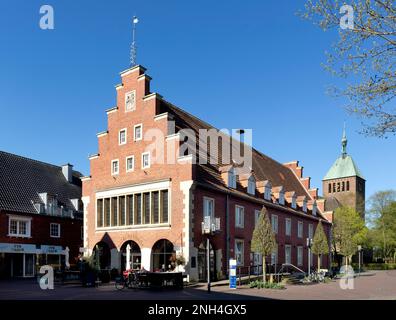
{"x": 233, "y": 278}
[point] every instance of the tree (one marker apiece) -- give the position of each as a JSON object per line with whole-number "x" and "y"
{"x": 382, "y": 217}
{"x": 349, "y": 231}
{"x": 320, "y": 243}
{"x": 364, "y": 56}
{"x": 263, "y": 240}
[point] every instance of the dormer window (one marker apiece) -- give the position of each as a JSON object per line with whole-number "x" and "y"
{"x": 281, "y": 198}
{"x": 304, "y": 208}
{"x": 232, "y": 178}
{"x": 267, "y": 191}
{"x": 314, "y": 208}
{"x": 294, "y": 202}
{"x": 251, "y": 189}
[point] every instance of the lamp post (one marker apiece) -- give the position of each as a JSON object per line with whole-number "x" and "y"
{"x": 309, "y": 244}
{"x": 210, "y": 226}
{"x": 359, "y": 252}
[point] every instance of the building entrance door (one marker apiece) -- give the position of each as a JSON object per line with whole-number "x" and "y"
{"x": 202, "y": 263}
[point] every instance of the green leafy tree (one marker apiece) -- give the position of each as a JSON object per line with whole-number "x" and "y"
{"x": 382, "y": 221}
{"x": 364, "y": 56}
{"x": 349, "y": 231}
{"x": 263, "y": 240}
{"x": 320, "y": 244}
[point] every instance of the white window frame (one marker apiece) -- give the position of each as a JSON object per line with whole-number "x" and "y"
{"x": 120, "y": 143}
{"x": 251, "y": 188}
{"x": 149, "y": 160}
{"x": 133, "y": 163}
{"x": 242, "y": 254}
{"x": 239, "y": 216}
{"x": 205, "y": 212}
{"x": 274, "y": 225}
{"x": 18, "y": 219}
{"x": 300, "y": 256}
{"x": 288, "y": 226}
{"x": 300, "y": 229}
{"x": 59, "y": 230}
{"x": 288, "y": 246}
{"x": 134, "y": 104}
{"x": 113, "y": 173}
{"x": 141, "y": 132}
{"x": 310, "y": 231}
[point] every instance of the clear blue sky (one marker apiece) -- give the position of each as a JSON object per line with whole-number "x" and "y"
{"x": 249, "y": 64}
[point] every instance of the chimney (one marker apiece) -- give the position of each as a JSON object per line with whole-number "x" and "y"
{"x": 241, "y": 133}
{"x": 67, "y": 171}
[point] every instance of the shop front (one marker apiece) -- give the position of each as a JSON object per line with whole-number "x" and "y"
{"x": 25, "y": 260}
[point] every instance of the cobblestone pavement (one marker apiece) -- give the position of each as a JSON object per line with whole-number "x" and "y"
{"x": 381, "y": 285}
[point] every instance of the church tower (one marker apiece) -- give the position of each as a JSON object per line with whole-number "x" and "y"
{"x": 344, "y": 185}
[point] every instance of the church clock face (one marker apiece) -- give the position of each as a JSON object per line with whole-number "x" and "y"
{"x": 130, "y": 100}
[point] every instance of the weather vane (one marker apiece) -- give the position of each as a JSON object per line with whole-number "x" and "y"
{"x": 135, "y": 21}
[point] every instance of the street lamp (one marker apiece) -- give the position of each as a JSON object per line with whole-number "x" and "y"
{"x": 309, "y": 245}
{"x": 359, "y": 252}
{"x": 210, "y": 226}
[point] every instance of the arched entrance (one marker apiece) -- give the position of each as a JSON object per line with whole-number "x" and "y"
{"x": 104, "y": 254}
{"x": 135, "y": 256}
{"x": 163, "y": 255}
{"x": 202, "y": 262}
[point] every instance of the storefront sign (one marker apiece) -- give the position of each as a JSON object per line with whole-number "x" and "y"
{"x": 51, "y": 249}
{"x": 233, "y": 278}
{"x": 17, "y": 248}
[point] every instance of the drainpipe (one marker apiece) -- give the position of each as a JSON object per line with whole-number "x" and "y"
{"x": 227, "y": 234}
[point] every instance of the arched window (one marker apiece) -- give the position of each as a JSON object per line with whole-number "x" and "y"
{"x": 164, "y": 256}
{"x": 134, "y": 256}
{"x": 101, "y": 253}
{"x": 334, "y": 187}
{"x": 343, "y": 186}
{"x": 329, "y": 187}
{"x": 347, "y": 186}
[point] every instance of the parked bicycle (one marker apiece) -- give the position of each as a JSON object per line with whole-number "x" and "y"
{"x": 129, "y": 279}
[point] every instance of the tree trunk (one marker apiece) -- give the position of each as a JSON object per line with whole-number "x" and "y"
{"x": 319, "y": 262}
{"x": 264, "y": 269}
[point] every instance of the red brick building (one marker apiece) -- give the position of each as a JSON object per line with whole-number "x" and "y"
{"x": 155, "y": 201}
{"x": 40, "y": 215}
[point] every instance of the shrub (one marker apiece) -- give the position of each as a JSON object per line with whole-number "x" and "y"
{"x": 377, "y": 266}
{"x": 259, "y": 284}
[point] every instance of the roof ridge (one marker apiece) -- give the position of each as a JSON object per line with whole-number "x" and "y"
{"x": 33, "y": 160}
{"x": 209, "y": 125}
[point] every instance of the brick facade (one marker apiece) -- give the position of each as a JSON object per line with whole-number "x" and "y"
{"x": 184, "y": 181}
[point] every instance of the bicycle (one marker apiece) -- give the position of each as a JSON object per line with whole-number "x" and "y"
{"x": 129, "y": 279}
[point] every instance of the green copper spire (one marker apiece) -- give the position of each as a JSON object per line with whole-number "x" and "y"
{"x": 344, "y": 166}
{"x": 344, "y": 143}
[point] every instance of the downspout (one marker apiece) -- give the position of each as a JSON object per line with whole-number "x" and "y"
{"x": 227, "y": 234}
